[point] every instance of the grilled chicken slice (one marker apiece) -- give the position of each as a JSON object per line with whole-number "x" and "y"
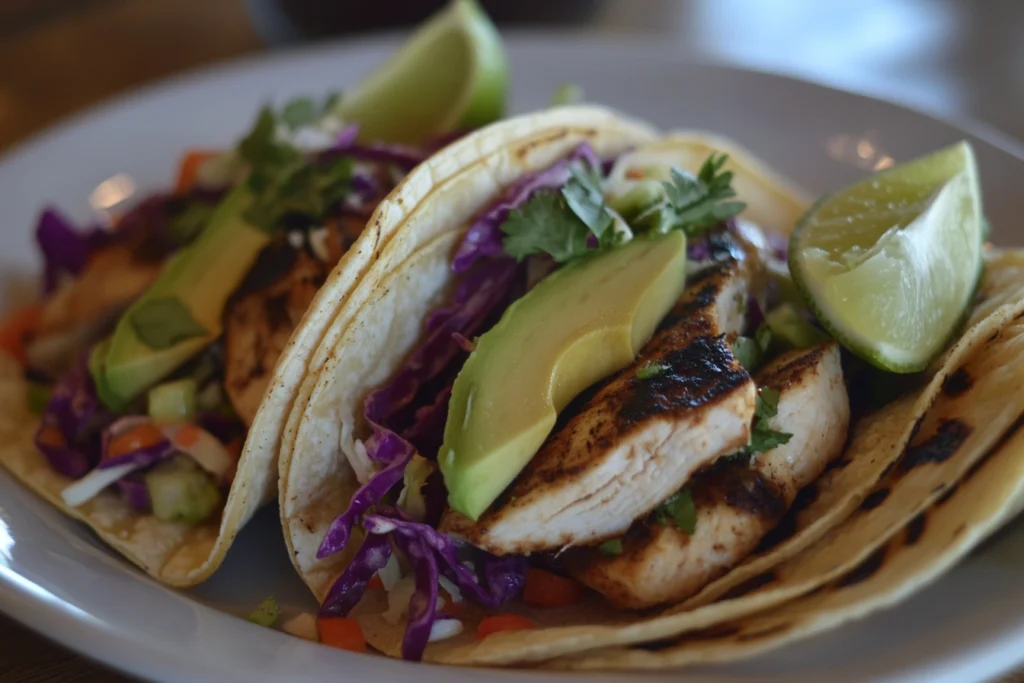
{"x": 738, "y": 499}
{"x": 636, "y": 441}
{"x": 261, "y": 316}
{"x": 83, "y": 309}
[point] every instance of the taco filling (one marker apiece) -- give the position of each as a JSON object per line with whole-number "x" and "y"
{"x": 158, "y": 334}
{"x": 621, "y": 391}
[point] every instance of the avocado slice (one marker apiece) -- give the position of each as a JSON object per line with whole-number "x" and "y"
{"x": 180, "y": 314}
{"x": 181, "y": 492}
{"x": 581, "y": 324}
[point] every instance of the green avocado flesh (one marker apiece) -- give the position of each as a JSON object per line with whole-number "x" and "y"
{"x": 579, "y": 325}
{"x": 202, "y": 277}
{"x": 181, "y": 492}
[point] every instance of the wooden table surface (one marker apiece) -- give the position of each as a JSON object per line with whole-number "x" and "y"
{"x": 57, "y": 56}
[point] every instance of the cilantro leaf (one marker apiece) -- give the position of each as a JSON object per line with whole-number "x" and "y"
{"x": 583, "y": 195}
{"x": 651, "y": 368}
{"x": 566, "y": 224}
{"x": 767, "y": 405}
{"x": 762, "y": 437}
{"x": 302, "y": 111}
{"x": 545, "y": 225}
{"x": 162, "y": 323}
{"x": 611, "y": 548}
{"x": 567, "y": 93}
{"x": 678, "y": 511}
{"x": 284, "y": 179}
{"x": 694, "y": 203}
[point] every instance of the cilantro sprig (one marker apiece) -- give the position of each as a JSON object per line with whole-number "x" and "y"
{"x": 679, "y": 511}
{"x": 694, "y": 204}
{"x": 762, "y": 437}
{"x": 285, "y": 180}
{"x": 566, "y": 224}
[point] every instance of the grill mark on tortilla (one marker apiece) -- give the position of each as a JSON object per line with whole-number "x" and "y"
{"x": 524, "y": 149}
{"x": 957, "y": 383}
{"x": 946, "y": 492}
{"x": 938, "y": 448}
{"x": 788, "y": 525}
{"x": 750, "y": 585}
{"x": 915, "y": 529}
{"x": 838, "y": 464}
{"x": 865, "y": 570}
{"x": 697, "y": 374}
{"x": 874, "y": 499}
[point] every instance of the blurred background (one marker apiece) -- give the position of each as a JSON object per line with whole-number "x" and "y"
{"x": 955, "y": 58}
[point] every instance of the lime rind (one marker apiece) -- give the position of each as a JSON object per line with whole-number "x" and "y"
{"x": 894, "y": 283}
{"x": 451, "y": 74}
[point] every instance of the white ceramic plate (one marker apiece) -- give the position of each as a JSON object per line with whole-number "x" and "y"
{"x": 57, "y": 578}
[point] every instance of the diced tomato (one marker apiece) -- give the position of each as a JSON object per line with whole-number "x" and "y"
{"x": 17, "y": 329}
{"x": 51, "y": 436}
{"x": 502, "y": 622}
{"x": 188, "y": 435}
{"x": 143, "y": 436}
{"x": 343, "y": 633}
{"x": 188, "y": 170}
{"x": 375, "y": 582}
{"x": 550, "y": 590}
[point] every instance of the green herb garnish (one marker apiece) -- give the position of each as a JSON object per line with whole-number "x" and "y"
{"x": 762, "y": 437}
{"x": 162, "y": 323}
{"x": 651, "y": 368}
{"x": 284, "y": 179}
{"x": 267, "y": 613}
{"x": 611, "y": 548}
{"x": 694, "y": 203}
{"x": 567, "y": 93}
{"x": 564, "y": 224}
{"x": 583, "y": 195}
{"x": 678, "y": 511}
{"x": 545, "y": 225}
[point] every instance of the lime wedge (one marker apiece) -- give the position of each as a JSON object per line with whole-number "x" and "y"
{"x": 450, "y": 74}
{"x": 889, "y": 265}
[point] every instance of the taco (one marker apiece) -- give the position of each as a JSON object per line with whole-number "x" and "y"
{"x": 167, "y": 348}
{"x": 580, "y": 402}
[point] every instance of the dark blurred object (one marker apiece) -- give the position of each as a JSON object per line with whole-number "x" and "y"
{"x": 280, "y": 21}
